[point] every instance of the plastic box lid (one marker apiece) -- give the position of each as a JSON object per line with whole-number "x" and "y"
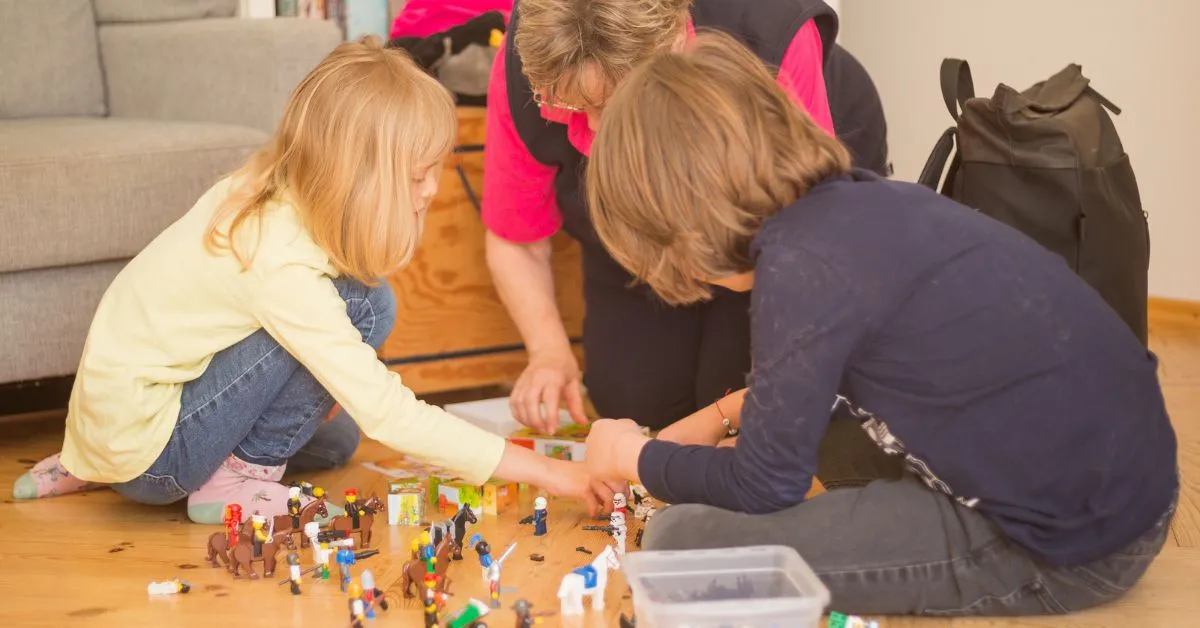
{"x": 759, "y": 586}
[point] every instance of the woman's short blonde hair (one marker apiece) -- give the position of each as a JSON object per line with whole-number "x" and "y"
{"x": 346, "y": 153}
{"x": 558, "y": 39}
{"x": 696, "y": 150}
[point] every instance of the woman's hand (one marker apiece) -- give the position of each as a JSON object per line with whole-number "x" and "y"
{"x": 547, "y": 382}
{"x": 613, "y": 447}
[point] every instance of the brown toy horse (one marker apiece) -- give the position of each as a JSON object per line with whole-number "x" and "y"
{"x": 370, "y": 508}
{"x": 414, "y": 570}
{"x": 240, "y": 555}
{"x": 315, "y": 508}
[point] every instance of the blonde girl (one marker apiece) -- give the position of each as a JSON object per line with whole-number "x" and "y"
{"x": 218, "y": 351}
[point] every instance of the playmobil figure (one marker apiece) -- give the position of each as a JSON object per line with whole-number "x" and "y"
{"x": 358, "y": 609}
{"x": 293, "y": 506}
{"x": 293, "y": 560}
{"x": 258, "y": 536}
{"x": 302, "y": 514}
{"x": 493, "y": 576}
{"x": 620, "y": 504}
{"x": 469, "y": 616}
{"x": 431, "y": 601}
{"x": 538, "y": 518}
{"x": 414, "y": 571}
{"x": 233, "y": 523}
{"x": 615, "y": 528}
{"x": 373, "y": 596}
{"x": 169, "y": 587}
{"x": 455, "y": 528}
{"x": 587, "y": 580}
{"x": 359, "y": 517}
{"x": 242, "y": 556}
{"x": 484, "y": 550}
{"x": 525, "y": 616}
{"x": 345, "y": 558}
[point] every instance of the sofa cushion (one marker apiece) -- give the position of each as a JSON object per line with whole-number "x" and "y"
{"x": 108, "y": 11}
{"x": 79, "y": 190}
{"x": 49, "y": 59}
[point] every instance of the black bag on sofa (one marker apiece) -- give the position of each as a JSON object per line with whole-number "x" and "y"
{"x": 1048, "y": 162}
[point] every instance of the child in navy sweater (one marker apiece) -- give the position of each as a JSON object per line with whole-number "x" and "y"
{"x": 1040, "y": 461}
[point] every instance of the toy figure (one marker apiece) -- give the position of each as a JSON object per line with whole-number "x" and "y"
{"x": 259, "y": 536}
{"x": 469, "y": 617}
{"x": 357, "y": 607}
{"x": 589, "y": 580}
{"x": 616, "y": 521}
{"x": 293, "y": 560}
{"x": 431, "y": 601}
{"x": 233, "y": 523}
{"x": 620, "y": 505}
{"x": 169, "y": 587}
{"x": 643, "y": 509}
{"x": 293, "y": 506}
{"x": 615, "y": 528}
{"x": 371, "y": 594}
{"x": 493, "y": 576}
{"x": 525, "y": 617}
{"x": 538, "y": 518}
{"x": 345, "y": 558}
{"x": 311, "y": 531}
{"x": 352, "y": 510}
{"x": 484, "y": 550}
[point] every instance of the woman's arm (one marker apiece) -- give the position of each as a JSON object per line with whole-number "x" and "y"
{"x": 521, "y": 213}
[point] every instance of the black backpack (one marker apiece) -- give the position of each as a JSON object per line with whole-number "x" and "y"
{"x": 1048, "y": 162}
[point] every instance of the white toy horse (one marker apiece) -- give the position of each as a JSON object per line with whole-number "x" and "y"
{"x": 589, "y": 580}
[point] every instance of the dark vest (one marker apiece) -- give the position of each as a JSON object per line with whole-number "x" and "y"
{"x": 767, "y": 27}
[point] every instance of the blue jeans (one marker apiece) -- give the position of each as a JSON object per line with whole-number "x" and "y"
{"x": 257, "y": 402}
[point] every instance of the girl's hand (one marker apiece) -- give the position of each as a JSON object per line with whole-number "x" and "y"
{"x": 613, "y": 447}
{"x": 571, "y": 479}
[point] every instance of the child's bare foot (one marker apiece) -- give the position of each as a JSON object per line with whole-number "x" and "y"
{"x": 47, "y": 479}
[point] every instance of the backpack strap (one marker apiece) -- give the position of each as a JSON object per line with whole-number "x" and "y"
{"x": 957, "y": 86}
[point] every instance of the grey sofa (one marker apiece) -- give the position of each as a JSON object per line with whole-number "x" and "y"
{"x": 115, "y": 115}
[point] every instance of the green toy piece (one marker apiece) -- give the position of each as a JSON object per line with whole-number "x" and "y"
{"x": 474, "y": 611}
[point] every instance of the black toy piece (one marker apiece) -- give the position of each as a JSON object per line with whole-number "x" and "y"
{"x": 583, "y": 549}
{"x": 628, "y": 622}
{"x": 537, "y": 558}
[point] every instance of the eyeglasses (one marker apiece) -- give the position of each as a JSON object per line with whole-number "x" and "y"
{"x": 540, "y": 102}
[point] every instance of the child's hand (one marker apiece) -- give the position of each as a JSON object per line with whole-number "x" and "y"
{"x": 613, "y": 447}
{"x": 571, "y": 479}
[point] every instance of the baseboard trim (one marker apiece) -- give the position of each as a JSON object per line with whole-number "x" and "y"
{"x": 1179, "y": 311}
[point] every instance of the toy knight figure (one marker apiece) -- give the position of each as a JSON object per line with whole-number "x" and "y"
{"x": 493, "y": 576}
{"x": 293, "y": 506}
{"x": 233, "y": 523}
{"x": 357, "y": 607}
{"x": 259, "y": 536}
{"x": 293, "y": 560}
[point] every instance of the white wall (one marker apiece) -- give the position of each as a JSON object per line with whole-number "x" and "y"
{"x": 1145, "y": 57}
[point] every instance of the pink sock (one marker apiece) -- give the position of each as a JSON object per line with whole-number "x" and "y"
{"x": 254, "y": 487}
{"x": 47, "y": 479}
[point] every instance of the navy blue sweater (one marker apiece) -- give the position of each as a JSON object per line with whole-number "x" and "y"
{"x": 1003, "y": 376}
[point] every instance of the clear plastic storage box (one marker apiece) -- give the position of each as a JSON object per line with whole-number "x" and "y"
{"x": 747, "y": 587}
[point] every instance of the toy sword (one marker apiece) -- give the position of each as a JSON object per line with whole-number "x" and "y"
{"x": 357, "y": 556}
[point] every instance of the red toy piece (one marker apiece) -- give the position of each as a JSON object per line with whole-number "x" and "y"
{"x": 233, "y": 521}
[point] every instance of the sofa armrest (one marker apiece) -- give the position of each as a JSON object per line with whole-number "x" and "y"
{"x": 228, "y": 70}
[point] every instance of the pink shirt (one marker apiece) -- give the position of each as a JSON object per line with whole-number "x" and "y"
{"x": 518, "y": 190}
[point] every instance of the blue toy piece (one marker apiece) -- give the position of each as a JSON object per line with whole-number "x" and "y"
{"x": 589, "y": 576}
{"x": 539, "y": 522}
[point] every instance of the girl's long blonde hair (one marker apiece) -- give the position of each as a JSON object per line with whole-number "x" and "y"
{"x": 345, "y": 153}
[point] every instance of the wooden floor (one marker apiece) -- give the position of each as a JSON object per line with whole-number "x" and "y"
{"x": 85, "y": 560}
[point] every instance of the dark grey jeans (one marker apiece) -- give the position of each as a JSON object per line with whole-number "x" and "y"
{"x": 895, "y": 547}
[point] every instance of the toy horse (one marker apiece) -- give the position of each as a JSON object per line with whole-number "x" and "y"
{"x": 370, "y": 508}
{"x": 588, "y": 580}
{"x": 455, "y": 528}
{"x": 242, "y": 555}
{"x": 414, "y": 570}
{"x": 314, "y": 509}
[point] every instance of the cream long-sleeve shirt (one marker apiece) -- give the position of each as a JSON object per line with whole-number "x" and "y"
{"x": 176, "y": 305}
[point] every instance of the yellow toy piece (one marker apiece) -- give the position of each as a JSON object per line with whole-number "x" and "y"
{"x": 354, "y": 590}
{"x": 496, "y": 38}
